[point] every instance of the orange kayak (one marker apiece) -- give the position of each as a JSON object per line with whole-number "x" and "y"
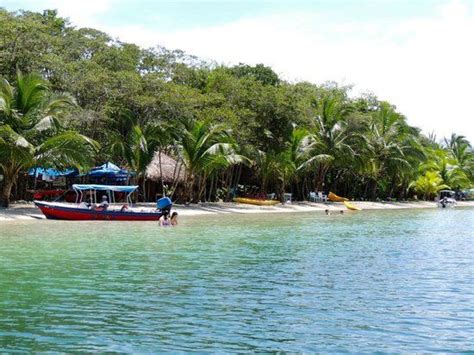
{"x": 335, "y": 198}
{"x": 253, "y": 201}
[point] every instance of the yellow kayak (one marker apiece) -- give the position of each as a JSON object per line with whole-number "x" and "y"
{"x": 253, "y": 201}
{"x": 351, "y": 206}
{"x": 335, "y": 198}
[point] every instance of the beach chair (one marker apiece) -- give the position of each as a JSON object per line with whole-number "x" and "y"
{"x": 287, "y": 198}
{"x": 271, "y": 196}
{"x": 322, "y": 196}
{"x": 313, "y": 197}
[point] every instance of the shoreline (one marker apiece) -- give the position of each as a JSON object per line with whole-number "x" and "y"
{"x": 27, "y": 211}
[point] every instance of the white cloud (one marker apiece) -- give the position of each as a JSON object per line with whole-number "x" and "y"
{"x": 84, "y": 13}
{"x": 422, "y": 64}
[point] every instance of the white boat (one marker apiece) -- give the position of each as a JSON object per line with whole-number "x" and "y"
{"x": 446, "y": 199}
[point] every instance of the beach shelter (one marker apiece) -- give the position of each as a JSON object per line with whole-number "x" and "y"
{"x": 170, "y": 170}
{"x": 109, "y": 172}
{"x": 50, "y": 173}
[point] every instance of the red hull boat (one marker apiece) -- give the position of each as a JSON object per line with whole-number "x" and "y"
{"x": 81, "y": 211}
{"x": 75, "y": 213}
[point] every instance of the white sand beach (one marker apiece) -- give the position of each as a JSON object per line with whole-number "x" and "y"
{"x": 25, "y": 211}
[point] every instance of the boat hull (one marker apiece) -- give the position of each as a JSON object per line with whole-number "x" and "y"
{"x": 74, "y": 213}
{"x": 449, "y": 203}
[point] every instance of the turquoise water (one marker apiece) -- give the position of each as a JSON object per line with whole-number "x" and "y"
{"x": 390, "y": 281}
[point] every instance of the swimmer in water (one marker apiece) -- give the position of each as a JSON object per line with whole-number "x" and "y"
{"x": 165, "y": 221}
{"x": 174, "y": 219}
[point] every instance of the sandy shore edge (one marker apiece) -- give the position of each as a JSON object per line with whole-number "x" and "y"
{"x": 25, "y": 211}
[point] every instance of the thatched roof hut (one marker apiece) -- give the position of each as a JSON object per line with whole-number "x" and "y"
{"x": 169, "y": 166}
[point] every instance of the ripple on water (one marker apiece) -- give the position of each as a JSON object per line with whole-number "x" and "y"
{"x": 390, "y": 281}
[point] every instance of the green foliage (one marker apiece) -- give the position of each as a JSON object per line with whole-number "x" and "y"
{"x": 31, "y": 132}
{"x": 260, "y": 72}
{"x": 429, "y": 184}
{"x": 298, "y": 136}
{"x": 204, "y": 147}
{"x": 446, "y": 166}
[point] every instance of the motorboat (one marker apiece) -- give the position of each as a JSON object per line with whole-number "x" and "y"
{"x": 446, "y": 199}
{"x": 86, "y": 207}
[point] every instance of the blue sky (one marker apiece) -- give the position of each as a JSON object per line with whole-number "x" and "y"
{"x": 187, "y": 14}
{"x": 416, "y": 54}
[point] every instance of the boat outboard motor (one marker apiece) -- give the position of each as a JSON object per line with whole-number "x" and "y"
{"x": 165, "y": 204}
{"x": 444, "y": 202}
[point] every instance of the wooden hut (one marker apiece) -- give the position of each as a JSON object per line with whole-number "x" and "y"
{"x": 173, "y": 174}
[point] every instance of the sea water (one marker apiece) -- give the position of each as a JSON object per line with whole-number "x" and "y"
{"x": 389, "y": 281}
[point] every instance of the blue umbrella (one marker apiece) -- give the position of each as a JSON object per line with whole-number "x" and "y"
{"x": 110, "y": 171}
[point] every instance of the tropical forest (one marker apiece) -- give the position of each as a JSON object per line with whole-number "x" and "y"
{"x": 75, "y": 98}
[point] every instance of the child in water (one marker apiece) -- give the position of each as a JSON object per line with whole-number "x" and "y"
{"x": 165, "y": 221}
{"x": 174, "y": 219}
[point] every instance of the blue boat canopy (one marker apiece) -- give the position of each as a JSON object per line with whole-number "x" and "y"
{"x": 116, "y": 188}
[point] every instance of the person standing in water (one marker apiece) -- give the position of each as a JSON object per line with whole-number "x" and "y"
{"x": 174, "y": 219}
{"x": 164, "y": 220}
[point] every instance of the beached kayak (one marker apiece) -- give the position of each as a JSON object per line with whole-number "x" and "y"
{"x": 253, "y": 201}
{"x": 335, "y": 198}
{"x": 351, "y": 206}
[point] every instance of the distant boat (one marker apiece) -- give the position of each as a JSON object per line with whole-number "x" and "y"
{"x": 80, "y": 211}
{"x": 446, "y": 199}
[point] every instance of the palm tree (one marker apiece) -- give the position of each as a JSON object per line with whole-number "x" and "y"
{"x": 136, "y": 144}
{"x": 331, "y": 136}
{"x": 393, "y": 147}
{"x": 429, "y": 184}
{"x": 445, "y": 165}
{"x": 31, "y": 132}
{"x": 461, "y": 150}
{"x": 264, "y": 163}
{"x": 204, "y": 147}
{"x": 284, "y": 165}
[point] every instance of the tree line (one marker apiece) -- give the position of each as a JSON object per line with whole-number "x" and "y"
{"x": 74, "y": 97}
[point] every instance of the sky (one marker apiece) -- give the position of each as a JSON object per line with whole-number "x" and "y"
{"x": 416, "y": 54}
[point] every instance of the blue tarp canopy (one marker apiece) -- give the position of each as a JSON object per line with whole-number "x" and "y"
{"x": 116, "y": 188}
{"x": 109, "y": 170}
{"x": 52, "y": 172}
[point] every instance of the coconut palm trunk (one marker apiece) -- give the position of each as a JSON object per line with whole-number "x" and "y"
{"x": 321, "y": 176}
{"x": 189, "y": 188}
{"x": 144, "y": 188}
{"x": 8, "y": 183}
{"x": 161, "y": 174}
